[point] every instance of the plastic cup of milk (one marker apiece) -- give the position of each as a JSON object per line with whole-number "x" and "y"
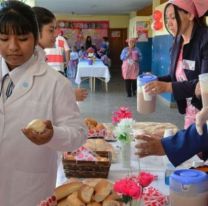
{"x": 146, "y": 103}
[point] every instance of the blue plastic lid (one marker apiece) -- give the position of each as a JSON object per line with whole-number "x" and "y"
{"x": 146, "y": 77}
{"x": 189, "y": 176}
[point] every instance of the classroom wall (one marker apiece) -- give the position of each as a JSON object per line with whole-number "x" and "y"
{"x": 115, "y": 21}
{"x": 161, "y": 44}
{"x": 145, "y": 47}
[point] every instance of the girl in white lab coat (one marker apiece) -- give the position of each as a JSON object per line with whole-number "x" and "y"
{"x": 28, "y": 159}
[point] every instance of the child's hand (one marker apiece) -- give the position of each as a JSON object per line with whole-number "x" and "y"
{"x": 40, "y": 138}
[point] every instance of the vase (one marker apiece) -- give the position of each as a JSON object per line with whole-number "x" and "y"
{"x": 90, "y": 61}
{"x": 126, "y": 154}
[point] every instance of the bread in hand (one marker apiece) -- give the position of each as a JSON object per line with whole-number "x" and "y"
{"x": 85, "y": 193}
{"x": 66, "y": 189}
{"x": 36, "y": 125}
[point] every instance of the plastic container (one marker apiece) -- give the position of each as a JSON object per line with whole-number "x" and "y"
{"x": 168, "y": 171}
{"x": 189, "y": 187}
{"x": 145, "y": 103}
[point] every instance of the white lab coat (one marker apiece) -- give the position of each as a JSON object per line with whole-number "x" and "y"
{"x": 28, "y": 171}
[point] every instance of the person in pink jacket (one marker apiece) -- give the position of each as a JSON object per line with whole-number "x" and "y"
{"x": 130, "y": 56}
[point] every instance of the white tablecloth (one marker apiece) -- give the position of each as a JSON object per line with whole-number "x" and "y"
{"x": 97, "y": 70}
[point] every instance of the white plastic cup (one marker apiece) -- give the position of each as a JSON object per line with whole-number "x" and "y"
{"x": 203, "y": 80}
{"x": 147, "y": 97}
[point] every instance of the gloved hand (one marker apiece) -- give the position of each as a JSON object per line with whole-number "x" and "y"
{"x": 201, "y": 119}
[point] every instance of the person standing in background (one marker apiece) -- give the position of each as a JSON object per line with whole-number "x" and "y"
{"x": 189, "y": 56}
{"x": 58, "y": 57}
{"x": 130, "y": 56}
{"x": 88, "y": 42}
{"x": 72, "y": 65}
{"x": 28, "y": 158}
{"x": 47, "y": 28}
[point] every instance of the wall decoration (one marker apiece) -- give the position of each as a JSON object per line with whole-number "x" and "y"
{"x": 76, "y": 31}
{"x": 116, "y": 34}
{"x": 157, "y": 20}
{"x": 142, "y": 28}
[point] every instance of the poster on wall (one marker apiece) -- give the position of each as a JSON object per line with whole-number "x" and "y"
{"x": 142, "y": 28}
{"x": 76, "y": 32}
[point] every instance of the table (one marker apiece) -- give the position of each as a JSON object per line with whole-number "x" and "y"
{"x": 95, "y": 71}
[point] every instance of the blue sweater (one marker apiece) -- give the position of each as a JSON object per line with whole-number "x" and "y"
{"x": 185, "y": 144}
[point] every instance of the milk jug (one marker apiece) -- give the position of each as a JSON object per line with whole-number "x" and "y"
{"x": 145, "y": 103}
{"x": 188, "y": 187}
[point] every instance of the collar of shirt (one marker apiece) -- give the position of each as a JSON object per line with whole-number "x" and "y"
{"x": 17, "y": 72}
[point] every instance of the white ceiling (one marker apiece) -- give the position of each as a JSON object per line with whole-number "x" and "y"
{"x": 90, "y": 7}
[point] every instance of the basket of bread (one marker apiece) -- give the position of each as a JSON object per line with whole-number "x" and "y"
{"x": 89, "y": 192}
{"x": 95, "y": 129}
{"x": 85, "y": 163}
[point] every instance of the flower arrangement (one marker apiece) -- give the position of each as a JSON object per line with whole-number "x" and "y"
{"x": 123, "y": 130}
{"x": 131, "y": 187}
{"x": 91, "y": 55}
{"x": 121, "y": 113}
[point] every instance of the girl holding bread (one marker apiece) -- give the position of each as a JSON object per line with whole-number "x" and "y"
{"x": 28, "y": 158}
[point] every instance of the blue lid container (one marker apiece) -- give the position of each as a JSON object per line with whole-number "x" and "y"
{"x": 189, "y": 181}
{"x": 145, "y": 78}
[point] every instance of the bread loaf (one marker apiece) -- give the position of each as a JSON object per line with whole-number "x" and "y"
{"x": 85, "y": 193}
{"x": 66, "y": 189}
{"x": 111, "y": 203}
{"x": 63, "y": 203}
{"x": 73, "y": 200}
{"x": 94, "y": 204}
{"x": 102, "y": 190}
{"x": 36, "y": 125}
{"x": 113, "y": 196}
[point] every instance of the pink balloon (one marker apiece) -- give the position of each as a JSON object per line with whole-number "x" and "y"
{"x": 157, "y": 15}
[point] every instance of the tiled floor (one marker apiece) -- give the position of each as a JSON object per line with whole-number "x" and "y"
{"x": 101, "y": 104}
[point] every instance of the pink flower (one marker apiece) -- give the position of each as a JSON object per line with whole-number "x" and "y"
{"x": 128, "y": 187}
{"x": 121, "y": 113}
{"x": 145, "y": 179}
{"x": 132, "y": 187}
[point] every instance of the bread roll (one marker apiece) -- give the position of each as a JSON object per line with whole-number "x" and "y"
{"x": 73, "y": 200}
{"x": 111, "y": 203}
{"x": 37, "y": 125}
{"x": 113, "y": 196}
{"x": 94, "y": 204}
{"x": 63, "y": 203}
{"x": 66, "y": 189}
{"x": 102, "y": 190}
{"x": 85, "y": 193}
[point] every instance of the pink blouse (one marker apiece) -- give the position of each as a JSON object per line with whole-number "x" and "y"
{"x": 191, "y": 111}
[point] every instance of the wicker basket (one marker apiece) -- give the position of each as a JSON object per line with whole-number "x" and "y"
{"x": 88, "y": 169}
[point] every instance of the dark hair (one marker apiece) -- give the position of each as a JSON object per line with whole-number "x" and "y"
{"x": 197, "y": 20}
{"x": 177, "y": 16}
{"x": 88, "y": 42}
{"x": 17, "y": 18}
{"x": 44, "y": 16}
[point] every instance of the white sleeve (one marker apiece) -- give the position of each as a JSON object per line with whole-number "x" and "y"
{"x": 69, "y": 129}
{"x": 66, "y": 46}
